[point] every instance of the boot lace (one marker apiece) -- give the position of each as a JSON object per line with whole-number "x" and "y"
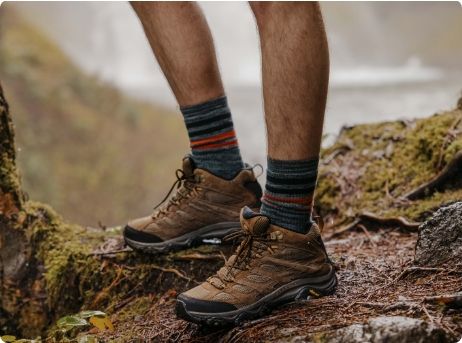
{"x": 185, "y": 186}
{"x": 251, "y": 247}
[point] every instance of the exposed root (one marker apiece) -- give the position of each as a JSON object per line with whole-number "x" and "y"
{"x": 168, "y": 270}
{"x": 451, "y": 173}
{"x": 105, "y": 291}
{"x": 371, "y": 220}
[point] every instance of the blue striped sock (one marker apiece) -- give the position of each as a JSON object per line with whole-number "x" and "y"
{"x": 214, "y": 144}
{"x": 288, "y": 198}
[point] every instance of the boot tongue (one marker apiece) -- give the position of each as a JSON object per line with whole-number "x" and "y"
{"x": 254, "y": 223}
{"x": 188, "y": 166}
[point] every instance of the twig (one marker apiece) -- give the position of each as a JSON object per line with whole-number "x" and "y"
{"x": 362, "y": 227}
{"x": 407, "y": 271}
{"x": 370, "y": 304}
{"x": 341, "y": 150}
{"x": 432, "y": 320}
{"x": 401, "y": 305}
{"x": 198, "y": 256}
{"x": 344, "y": 229}
{"x": 110, "y": 252}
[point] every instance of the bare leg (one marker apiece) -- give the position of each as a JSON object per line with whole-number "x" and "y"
{"x": 181, "y": 41}
{"x": 295, "y": 77}
{"x": 295, "y": 65}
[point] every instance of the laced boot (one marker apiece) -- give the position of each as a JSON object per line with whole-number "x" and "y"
{"x": 199, "y": 206}
{"x": 272, "y": 266}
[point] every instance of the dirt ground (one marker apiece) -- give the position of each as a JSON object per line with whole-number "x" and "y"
{"x": 376, "y": 277}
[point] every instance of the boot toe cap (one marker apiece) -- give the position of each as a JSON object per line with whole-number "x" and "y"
{"x": 140, "y": 236}
{"x": 203, "y": 306}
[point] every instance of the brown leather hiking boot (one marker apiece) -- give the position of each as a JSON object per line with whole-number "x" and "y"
{"x": 272, "y": 266}
{"x": 203, "y": 206}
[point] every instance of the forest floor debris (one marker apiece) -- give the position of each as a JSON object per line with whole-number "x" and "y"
{"x": 376, "y": 278}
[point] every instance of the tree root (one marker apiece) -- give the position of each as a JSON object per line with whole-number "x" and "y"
{"x": 449, "y": 174}
{"x": 367, "y": 219}
{"x": 105, "y": 291}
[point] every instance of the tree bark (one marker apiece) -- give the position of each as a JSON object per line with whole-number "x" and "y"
{"x": 15, "y": 252}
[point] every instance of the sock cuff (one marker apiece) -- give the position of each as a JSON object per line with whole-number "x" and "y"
{"x": 206, "y": 106}
{"x": 213, "y": 141}
{"x": 292, "y": 166}
{"x": 288, "y": 196}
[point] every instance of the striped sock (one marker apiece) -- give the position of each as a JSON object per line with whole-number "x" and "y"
{"x": 288, "y": 198}
{"x": 213, "y": 140}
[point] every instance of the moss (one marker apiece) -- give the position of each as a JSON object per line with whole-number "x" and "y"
{"x": 373, "y": 165}
{"x": 74, "y": 279}
{"x": 10, "y": 187}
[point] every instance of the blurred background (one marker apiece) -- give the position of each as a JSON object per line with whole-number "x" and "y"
{"x": 99, "y": 133}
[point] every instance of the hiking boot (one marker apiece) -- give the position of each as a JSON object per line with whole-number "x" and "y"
{"x": 272, "y": 266}
{"x": 203, "y": 207}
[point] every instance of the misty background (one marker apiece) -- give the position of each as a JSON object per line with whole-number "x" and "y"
{"x": 389, "y": 60}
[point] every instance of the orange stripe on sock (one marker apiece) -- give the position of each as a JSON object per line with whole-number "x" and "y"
{"x": 216, "y": 138}
{"x": 232, "y": 143}
{"x": 303, "y": 201}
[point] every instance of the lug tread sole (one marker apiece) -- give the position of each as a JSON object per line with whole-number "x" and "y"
{"x": 186, "y": 241}
{"x": 301, "y": 293}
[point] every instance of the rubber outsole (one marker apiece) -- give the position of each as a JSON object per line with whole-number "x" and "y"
{"x": 210, "y": 232}
{"x": 298, "y": 290}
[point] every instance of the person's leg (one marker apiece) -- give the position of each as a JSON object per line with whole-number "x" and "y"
{"x": 181, "y": 41}
{"x": 295, "y": 67}
{"x": 213, "y": 184}
{"x": 282, "y": 257}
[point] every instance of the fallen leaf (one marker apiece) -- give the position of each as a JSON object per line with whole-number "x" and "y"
{"x": 102, "y": 323}
{"x": 69, "y": 322}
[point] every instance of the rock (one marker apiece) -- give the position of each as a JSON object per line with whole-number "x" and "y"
{"x": 440, "y": 238}
{"x": 395, "y": 329}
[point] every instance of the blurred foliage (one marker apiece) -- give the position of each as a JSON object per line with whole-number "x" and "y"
{"x": 94, "y": 154}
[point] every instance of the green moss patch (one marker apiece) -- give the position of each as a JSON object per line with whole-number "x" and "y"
{"x": 371, "y": 167}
